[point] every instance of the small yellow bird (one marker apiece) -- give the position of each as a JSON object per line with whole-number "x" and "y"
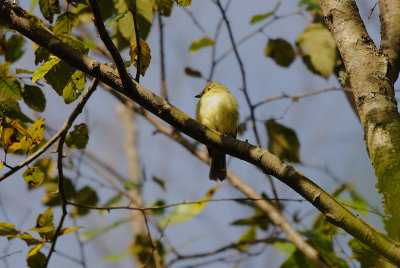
{"x": 218, "y": 110}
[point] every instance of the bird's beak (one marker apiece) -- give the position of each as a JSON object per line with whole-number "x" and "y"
{"x": 199, "y": 96}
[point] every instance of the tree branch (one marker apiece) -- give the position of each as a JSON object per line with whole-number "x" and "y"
{"x": 371, "y": 79}
{"x": 390, "y": 35}
{"x": 258, "y": 156}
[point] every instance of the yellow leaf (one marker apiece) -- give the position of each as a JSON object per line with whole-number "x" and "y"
{"x": 145, "y": 55}
{"x": 34, "y": 250}
{"x": 20, "y": 128}
{"x": 71, "y": 229}
{"x": 1, "y": 165}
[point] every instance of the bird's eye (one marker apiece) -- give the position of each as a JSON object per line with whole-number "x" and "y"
{"x": 208, "y": 89}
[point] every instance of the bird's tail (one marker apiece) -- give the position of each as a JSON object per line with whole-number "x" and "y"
{"x": 218, "y": 166}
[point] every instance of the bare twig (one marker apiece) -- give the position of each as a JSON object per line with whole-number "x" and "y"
{"x": 137, "y": 37}
{"x": 162, "y": 57}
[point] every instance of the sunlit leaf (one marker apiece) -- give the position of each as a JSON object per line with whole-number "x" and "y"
{"x": 33, "y": 176}
{"x": 74, "y": 87}
{"x": 34, "y": 250}
{"x": 280, "y": 51}
{"x": 260, "y": 17}
{"x": 10, "y": 88}
{"x": 33, "y": 97}
{"x": 282, "y": 141}
{"x": 183, "y": 3}
{"x": 44, "y": 68}
{"x": 249, "y": 235}
{"x": 59, "y": 76}
{"x": 200, "y": 43}
{"x": 145, "y": 55}
{"x": 116, "y": 257}
{"x": 65, "y": 22}
{"x": 186, "y": 212}
{"x": 70, "y": 229}
{"x": 7, "y": 229}
{"x": 318, "y": 49}
{"x": 285, "y": 247}
{"x": 116, "y": 18}
{"x": 4, "y": 69}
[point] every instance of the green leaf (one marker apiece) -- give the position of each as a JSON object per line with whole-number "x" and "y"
{"x": 52, "y": 195}
{"x": 142, "y": 249}
{"x": 164, "y": 7}
{"x": 318, "y": 49}
{"x": 260, "y": 17}
{"x": 89, "y": 43}
{"x": 90, "y": 234}
{"x": 58, "y": 77}
{"x": 13, "y": 111}
{"x": 311, "y": 6}
{"x": 359, "y": 203}
{"x": 74, "y": 87}
{"x": 366, "y": 256}
{"x": 116, "y": 18}
{"x": 33, "y": 251}
{"x": 282, "y": 141}
{"x": 7, "y": 229}
{"x": 86, "y": 196}
{"x": 186, "y": 212}
{"x": 192, "y": 72}
{"x": 160, "y": 182}
{"x": 78, "y": 138}
{"x": 158, "y": 203}
{"x": 115, "y": 200}
{"x": 259, "y": 219}
{"x": 200, "y": 43}
{"x": 70, "y": 229}
{"x": 49, "y": 8}
{"x": 285, "y": 247}
{"x": 14, "y": 49}
{"x": 47, "y": 165}
{"x": 33, "y": 4}
{"x": 41, "y": 55}
{"x": 10, "y": 88}
{"x": 33, "y": 176}
{"x": 145, "y": 55}
{"x": 128, "y": 185}
{"x": 37, "y": 260}
{"x": 23, "y": 71}
{"x": 45, "y": 68}
{"x": 116, "y": 257}
{"x": 249, "y": 235}
{"x": 33, "y": 97}
{"x": 34, "y": 135}
{"x": 4, "y": 69}
{"x": 280, "y": 51}
{"x": 65, "y": 22}
{"x": 183, "y": 3}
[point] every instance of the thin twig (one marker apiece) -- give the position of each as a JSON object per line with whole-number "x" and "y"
{"x": 60, "y": 147}
{"x": 162, "y": 57}
{"x": 242, "y": 71}
{"x": 98, "y": 22}
{"x": 53, "y": 139}
{"x": 129, "y": 206}
{"x": 235, "y": 245}
{"x": 137, "y": 36}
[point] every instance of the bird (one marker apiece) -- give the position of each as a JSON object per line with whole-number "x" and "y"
{"x": 218, "y": 110}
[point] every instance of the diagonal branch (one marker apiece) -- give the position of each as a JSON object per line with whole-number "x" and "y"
{"x": 390, "y": 35}
{"x": 256, "y": 155}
